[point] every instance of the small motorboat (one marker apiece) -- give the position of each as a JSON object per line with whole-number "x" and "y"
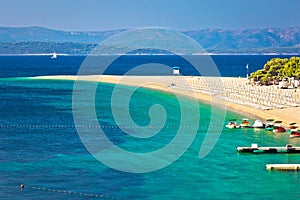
{"x": 245, "y": 123}
{"x": 232, "y": 124}
{"x": 278, "y": 128}
{"x": 269, "y": 125}
{"x": 258, "y": 124}
{"x": 294, "y": 132}
{"x": 293, "y": 128}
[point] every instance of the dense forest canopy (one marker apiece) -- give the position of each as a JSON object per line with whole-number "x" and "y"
{"x": 277, "y": 68}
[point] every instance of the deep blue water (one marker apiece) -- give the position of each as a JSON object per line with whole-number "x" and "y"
{"x": 27, "y": 66}
{"x": 40, "y": 146}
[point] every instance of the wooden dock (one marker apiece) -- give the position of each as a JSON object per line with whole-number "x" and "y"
{"x": 283, "y": 167}
{"x": 289, "y": 148}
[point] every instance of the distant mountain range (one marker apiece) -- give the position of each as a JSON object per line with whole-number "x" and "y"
{"x": 39, "y": 40}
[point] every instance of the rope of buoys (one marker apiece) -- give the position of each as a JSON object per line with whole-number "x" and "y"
{"x": 22, "y": 187}
{"x": 103, "y": 196}
{"x": 86, "y": 126}
{"x": 7, "y": 186}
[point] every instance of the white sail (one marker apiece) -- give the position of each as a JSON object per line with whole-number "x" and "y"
{"x": 54, "y": 55}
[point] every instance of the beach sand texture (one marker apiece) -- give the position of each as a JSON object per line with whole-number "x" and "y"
{"x": 235, "y": 94}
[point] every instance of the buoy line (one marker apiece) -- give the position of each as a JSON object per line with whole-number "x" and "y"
{"x": 62, "y": 191}
{"x": 103, "y": 196}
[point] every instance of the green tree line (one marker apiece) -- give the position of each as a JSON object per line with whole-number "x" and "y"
{"x": 277, "y": 68}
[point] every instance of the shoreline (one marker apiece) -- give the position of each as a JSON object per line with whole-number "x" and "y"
{"x": 287, "y": 115}
{"x": 200, "y": 54}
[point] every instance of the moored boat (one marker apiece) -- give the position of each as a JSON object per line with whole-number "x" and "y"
{"x": 245, "y": 123}
{"x": 294, "y": 132}
{"x": 293, "y": 126}
{"x": 269, "y": 125}
{"x": 258, "y": 124}
{"x": 278, "y": 128}
{"x": 232, "y": 124}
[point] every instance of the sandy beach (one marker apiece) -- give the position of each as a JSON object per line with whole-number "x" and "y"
{"x": 236, "y": 94}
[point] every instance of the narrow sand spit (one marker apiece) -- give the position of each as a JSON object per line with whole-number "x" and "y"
{"x": 233, "y": 93}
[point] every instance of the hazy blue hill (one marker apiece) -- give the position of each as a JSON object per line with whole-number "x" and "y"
{"x": 45, "y": 48}
{"x": 42, "y": 40}
{"x": 41, "y": 34}
{"x": 247, "y": 38}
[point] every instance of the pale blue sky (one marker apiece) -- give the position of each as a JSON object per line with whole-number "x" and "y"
{"x": 177, "y": 14}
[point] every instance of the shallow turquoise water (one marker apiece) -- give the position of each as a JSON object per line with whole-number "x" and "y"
{"x": 40, "y": 147}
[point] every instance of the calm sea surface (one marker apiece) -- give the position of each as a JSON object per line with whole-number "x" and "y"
{"x": 40, "y": 146}
{"x": 27, "y": 66}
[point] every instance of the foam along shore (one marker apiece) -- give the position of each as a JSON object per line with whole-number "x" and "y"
{"x": 232, "y": 93}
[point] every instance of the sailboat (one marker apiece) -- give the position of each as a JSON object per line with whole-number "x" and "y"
{"x": 54, "y": 56}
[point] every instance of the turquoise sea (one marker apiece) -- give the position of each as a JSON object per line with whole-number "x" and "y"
{"x": 40, "y": 147}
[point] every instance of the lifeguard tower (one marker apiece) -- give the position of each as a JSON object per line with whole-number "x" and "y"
{"x": 176, "y": 70}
